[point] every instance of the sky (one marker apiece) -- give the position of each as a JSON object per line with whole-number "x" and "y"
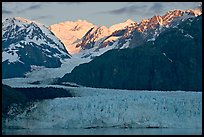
{"x": 98, "y": 13}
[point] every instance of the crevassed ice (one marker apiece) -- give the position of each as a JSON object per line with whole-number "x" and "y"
{"x": 139, "y": 109}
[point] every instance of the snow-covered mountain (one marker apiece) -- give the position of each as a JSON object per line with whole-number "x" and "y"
{"x": 151, "y": 28}
{"x": 130, "y": 34}
{"x": 78, "y": 35}
{"x": 70, "y": 32}
{"x": 27, "y": 44}
{"x": 85, "y": 39}
{"x": 98, "y": 37}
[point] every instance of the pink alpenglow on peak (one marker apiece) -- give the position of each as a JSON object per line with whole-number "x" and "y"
{"x": 70, "y": 32}
{"x": 121, "y": 25}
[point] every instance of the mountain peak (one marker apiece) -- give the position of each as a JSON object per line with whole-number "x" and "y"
{"x": 69, "y": 32}
{"x": 144, "y": 21}
{"x": 121, "y": 25}
{"x": 20, "y": 21}
{"x": 16, "y": 19}
{"x": 82, "y": 21}
{"x": 195, "y": 12}
{"x": 26, "y": 43}
{"x": 23, "y": 19}
{"x": 103, "y": 27}
{"x": 72, "y": 23}
{"x": 156, "y": 19}
{"x": 129, "y": 21}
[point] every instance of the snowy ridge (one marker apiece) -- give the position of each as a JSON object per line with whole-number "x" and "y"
{"x": 72, "y": 33}
{"x": 29, "y": 26}
{"x": 149, "y": 30}
{"x": 23, "y": 32}
{"x": 104, "y": 39}
{"x": 114, "y": 108}
{"x": 120, "y": 26}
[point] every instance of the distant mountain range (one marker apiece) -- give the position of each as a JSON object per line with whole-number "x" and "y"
{"x": 28, "y": 45}
{"x": 81, "y": 35}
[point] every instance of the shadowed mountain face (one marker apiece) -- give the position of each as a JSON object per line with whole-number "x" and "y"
{"x": 171, "y": 62}
{"x": 26, "y": 44}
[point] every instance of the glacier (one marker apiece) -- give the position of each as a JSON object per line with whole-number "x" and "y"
{"x": 46, "y": 75}
{"x": 95, "y": 107}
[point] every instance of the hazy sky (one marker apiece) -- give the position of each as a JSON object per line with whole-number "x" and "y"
{"x": 98, "y": 13}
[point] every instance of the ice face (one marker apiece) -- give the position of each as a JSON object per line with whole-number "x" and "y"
{"x": 115, "y": 108}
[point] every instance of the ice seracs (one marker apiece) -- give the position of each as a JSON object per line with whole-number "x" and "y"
{"x": 92, "y": 108}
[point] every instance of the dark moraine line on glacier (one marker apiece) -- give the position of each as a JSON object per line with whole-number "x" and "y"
{"x": 39, "y": 93}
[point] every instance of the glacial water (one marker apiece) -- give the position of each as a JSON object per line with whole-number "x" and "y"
{"x": 104, "y": 131}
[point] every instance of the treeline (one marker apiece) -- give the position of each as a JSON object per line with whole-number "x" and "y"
{"x": 9, "y": 97}
{"x": 25, "y": 96}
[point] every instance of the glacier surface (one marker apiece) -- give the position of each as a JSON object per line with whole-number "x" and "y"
{"x": 93, "y": 107}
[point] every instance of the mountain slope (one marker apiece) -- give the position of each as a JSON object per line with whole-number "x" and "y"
{"x": 171, "y": 62}
{"x": 27, "y": 44}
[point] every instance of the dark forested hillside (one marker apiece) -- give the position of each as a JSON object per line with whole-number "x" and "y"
{"x": 9, "y": 97}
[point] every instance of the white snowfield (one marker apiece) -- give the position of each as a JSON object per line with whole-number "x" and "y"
{"x": 93, "y": 107}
